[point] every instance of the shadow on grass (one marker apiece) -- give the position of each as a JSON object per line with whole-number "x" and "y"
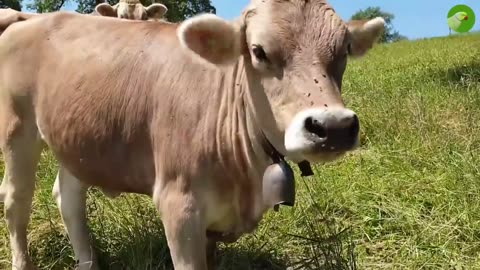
{"x": 148, "y": 253}
{"x": 334, "y": 252}
{"x": 318, "y": 252}
{"x": 156, "y": 256}
{"x": 53, "y": 251}
{"x": 233, "y": 258}
{"x": 50, "y": 247}
{"x": 151, "y": 252}
{"x": 129, "y": 235}
{"x": 460, "y": 75}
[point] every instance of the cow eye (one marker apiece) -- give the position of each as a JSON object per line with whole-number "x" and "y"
{"x": 349, "y": 49}
{"x": 259, "y": 53}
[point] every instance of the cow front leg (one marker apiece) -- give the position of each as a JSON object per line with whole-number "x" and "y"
{"x": 70, "y": 195}
{"x": 184, "y": 228}
{"x": 211, "y": 253}
{"x": 21, "y": 152}
{"x": 3, "y": 188}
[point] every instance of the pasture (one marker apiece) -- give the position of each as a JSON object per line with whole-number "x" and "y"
{"x": 409, "y": 198}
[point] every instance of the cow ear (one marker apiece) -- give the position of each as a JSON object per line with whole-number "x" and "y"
{"x": 365, "y": 34}
{"x": 104, "y": 9}
{"x": 10, "y": 16}
{"x": 156, "y": 11}
{"x": 211, "y": 38}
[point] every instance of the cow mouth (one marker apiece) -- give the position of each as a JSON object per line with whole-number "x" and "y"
{"x": 325, "y": 152}
{"x": 323, "y": 157}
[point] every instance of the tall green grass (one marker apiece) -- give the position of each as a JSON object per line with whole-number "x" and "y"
{"x": 409, "y": 198}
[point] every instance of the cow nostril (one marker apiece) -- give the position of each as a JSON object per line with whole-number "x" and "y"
{"x": 314, "y": 126}
{"x": 355, "y": 126}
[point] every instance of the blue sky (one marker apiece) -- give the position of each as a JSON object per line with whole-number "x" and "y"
{"x": 413, "y": 18}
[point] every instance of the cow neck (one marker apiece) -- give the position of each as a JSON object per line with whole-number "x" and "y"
{"x": 253, "y": 84}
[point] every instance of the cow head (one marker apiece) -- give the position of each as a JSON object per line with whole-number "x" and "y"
{"x": 295, "y": 52}
{"x": 132, "y": 9}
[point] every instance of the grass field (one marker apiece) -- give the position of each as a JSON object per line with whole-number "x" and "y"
{"x": 409, "y": 198}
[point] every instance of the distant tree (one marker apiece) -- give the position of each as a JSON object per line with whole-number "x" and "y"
{"x": 13, "y": 4}
{"x": 42, "y": 6}
{"x": 178, "y": 10}
{"x": 87, "y": 6}
{"x": 390, "y": 35}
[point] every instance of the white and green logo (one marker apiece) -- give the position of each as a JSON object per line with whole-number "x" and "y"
{"x": 461, "y": 18}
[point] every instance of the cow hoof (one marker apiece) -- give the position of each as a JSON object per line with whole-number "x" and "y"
{"x": 3, "y": 192}
{"x": 87, "y": 267}
{"x": 90, "y": 265}
{"x": 24, "y": 266}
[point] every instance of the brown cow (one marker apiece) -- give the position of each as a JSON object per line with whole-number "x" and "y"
{"x": 126, "y": 9}
{"x": 131, "y": 9}
{"x": 191, "y": 114}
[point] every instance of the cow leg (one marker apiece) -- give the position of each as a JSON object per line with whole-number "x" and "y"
{"x": 70, "y": 195}
{"x": 21, "y": 151}
{"x": 211, "y": 253}
{"x": 185, "y": 230}
{"x": 3, "y": 188}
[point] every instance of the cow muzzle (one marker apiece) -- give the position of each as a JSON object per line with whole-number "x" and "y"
{"x": 323, "y": 134}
